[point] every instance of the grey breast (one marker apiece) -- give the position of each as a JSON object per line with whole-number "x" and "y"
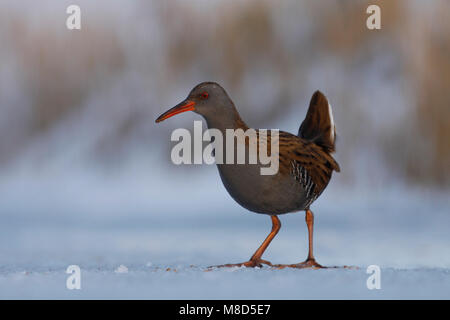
{"x": 267, "y": 194}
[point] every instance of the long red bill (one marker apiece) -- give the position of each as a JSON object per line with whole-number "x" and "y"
{"x": 179, "y": 108}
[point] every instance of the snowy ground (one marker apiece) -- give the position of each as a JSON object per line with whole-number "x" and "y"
{"x": 124, "y": 242}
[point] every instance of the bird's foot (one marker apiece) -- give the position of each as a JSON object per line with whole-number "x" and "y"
{"x": 252, "y": 263}
{"x": 308, "y": 263}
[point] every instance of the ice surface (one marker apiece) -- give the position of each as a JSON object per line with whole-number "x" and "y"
{"x": 166, "y": 244}
{"x": 184, "y": 282}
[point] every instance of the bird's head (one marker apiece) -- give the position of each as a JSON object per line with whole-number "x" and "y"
{"x": 208, "y": 99}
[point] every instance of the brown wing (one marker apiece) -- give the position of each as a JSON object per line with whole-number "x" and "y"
{"x": 319, "y": 164}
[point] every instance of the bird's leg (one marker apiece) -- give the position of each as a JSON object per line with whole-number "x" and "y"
{"x": 256, "y": 257}
{"x": 310, "y": 261}
{"x": 255, "y": 260}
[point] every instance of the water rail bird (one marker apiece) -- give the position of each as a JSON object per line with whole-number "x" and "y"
{"x": 305, "y": 164}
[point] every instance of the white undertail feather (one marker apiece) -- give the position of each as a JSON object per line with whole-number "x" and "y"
{"x": 333, "y": 129}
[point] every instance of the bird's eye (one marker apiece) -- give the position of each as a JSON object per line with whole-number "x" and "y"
{"x": 204, "y": 95}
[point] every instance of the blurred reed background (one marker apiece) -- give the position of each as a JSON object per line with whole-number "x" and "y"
{"x": 81, "y": 100}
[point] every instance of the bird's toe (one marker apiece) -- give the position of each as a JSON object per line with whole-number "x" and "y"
{"x": 253, "y": 263}
{"x": 309, "y": 263}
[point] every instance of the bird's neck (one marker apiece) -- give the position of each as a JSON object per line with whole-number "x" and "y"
{"x": 222, "y": 122}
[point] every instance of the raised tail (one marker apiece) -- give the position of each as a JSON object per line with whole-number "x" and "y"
{"x": 318, "y": 125}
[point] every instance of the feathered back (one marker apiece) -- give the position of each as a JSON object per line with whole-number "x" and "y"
{"x": 318, "y": 125}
